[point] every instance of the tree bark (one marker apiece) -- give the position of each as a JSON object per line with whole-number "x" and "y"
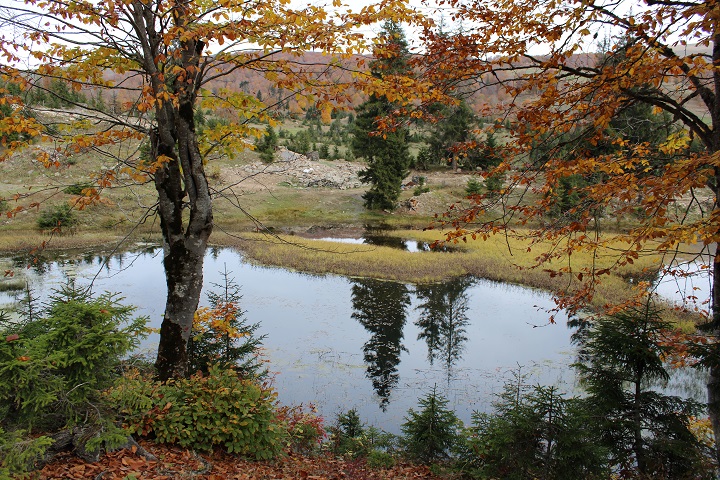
{"x": 712, "y": 100}
{"x": 713, "y": 385}
{"x": 184, "y": 200}
{"x": 184, "y": 248}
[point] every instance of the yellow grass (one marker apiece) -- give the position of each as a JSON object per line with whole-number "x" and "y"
{"x": 498, "y": 258}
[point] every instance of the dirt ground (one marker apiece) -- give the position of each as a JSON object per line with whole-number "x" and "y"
{"x": 298, "y": 171}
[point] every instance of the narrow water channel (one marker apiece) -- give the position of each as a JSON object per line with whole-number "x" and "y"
{"x": 343, "y": 343}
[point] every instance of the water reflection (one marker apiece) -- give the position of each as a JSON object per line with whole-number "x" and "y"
{"x": 443, "y": 320}
{"x": 381, "y": 307}
{"x": 383, "y": 241}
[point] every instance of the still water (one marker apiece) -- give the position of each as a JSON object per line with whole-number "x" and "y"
{"x": 343, "y": 343}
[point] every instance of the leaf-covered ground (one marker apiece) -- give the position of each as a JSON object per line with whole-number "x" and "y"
{"x": 179, "y": 463}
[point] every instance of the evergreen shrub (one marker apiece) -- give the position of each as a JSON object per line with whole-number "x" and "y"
{"x": 53, "y": 368}
{"x": 473, "y": 187}
{"x": 61, "y": 216}
{"x": 432, "y": 433}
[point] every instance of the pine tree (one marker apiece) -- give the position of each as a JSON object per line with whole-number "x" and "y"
{"x": 432, "y": 433}
{"x": 267, "y": 145}
{"x": 224, "y": 336}
{"x": 621, "y": 357}
{"x": 450, "y": 132}
{"x": 534, "y": 433}
{"x": 387, "y": 154}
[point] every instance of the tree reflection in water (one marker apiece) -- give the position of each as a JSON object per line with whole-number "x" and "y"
{"x": 381, "y": 307}
{"x": 443, "y": 318}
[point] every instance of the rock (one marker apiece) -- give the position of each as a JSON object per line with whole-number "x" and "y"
{"x": 300, "y": 171}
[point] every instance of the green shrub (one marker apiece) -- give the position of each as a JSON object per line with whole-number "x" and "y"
{"x": 473, "y": 187}
{"x": 420, "y": 189}
{"x": 380, "y": 459}
{"x": 222, "y": 335}
{"x": 52, "y": 369}
{"x": 18, "y": 453}
{"x": 346, "y": 434}
{"x": 54, "y": 365}
{"x": 77, "y": 188}
{"x": 494, "y": 183}
{"x": 349, "y": 437}
{"x": 536, "y": 434}
{"x": 202, "y": 412}
{"x": 433, "y": 432}
{"x": 59, "y": 216}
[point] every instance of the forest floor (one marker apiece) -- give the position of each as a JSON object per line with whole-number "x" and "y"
{"x": 179, "y": 463}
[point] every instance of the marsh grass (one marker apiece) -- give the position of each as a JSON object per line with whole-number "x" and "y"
{"x": 12, "y": 284}
{"x": 497, "y": 258}
{"x": 33, "y": 241}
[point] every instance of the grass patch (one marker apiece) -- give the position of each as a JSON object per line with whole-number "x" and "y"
{"x": 498, "y": 258}
{"x": 12, "y": 284}
{"x": 17, "y": 241}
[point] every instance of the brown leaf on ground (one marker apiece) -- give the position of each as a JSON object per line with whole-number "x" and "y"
{"x": 179, "y": 463}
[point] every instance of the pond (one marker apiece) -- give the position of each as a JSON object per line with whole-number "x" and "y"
{"x": 343, "y": 343}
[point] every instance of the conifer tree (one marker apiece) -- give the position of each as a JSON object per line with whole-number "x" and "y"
{"x": 267, "y": 145}
{"x": 386, "y": 152}
{"x": 221, "y": 334}
{"x": 431, "y": 433}
{"x": 621, "y": 358}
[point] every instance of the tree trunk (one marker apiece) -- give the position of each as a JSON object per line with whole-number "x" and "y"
{"x": 184, "y": 277}
{"x": 181, "y": 185}
{"x": 713, "y": 386}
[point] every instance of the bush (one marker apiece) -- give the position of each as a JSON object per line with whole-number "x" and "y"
{"x": 380, "y": 459}
{"x": 18, "y": 454}
{"x": 304, "y": 428}
{"x": 346, "y": 434}
{"x": 473, "y": 187}
{"x": 59, "y": 216}
{"x": 494, "y": 183}
{"x": 222, "y": 335}
{"x": 547, "y": 435}
{"x": 349, "y": 437}
{"x": 54, "y": 366}
{"x": 77, "y": 188}
{"x": 203, "y": 412}
{"x": 432, "y": 433}
{"x": 420, "y": 189}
